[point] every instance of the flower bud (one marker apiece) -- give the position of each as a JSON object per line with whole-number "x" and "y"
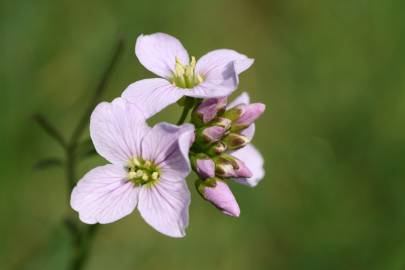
{"x": 205, "y": 168}
{"x": 242, "y": 171}
{"x": 222, "y": 122}
{"x": 217, "y": 148}
{"x": 230, "y": 166}
{"x": 218, "y": 193}
{"x": 212, "y": 134}
{"x": 249, "y": 113}
{"x": 235, "y": 141}
{"x": 224, "y": 168}
{"x": 208, "y": 110}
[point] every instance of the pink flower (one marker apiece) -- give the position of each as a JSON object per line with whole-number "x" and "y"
{"x": 248, "y": 154}
{"x": 148, "y": 169}
{"x": 214, "y": 75}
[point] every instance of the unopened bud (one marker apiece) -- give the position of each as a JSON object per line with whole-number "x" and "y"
{"x": 219, "y": 195}
{"x": 205, "y": 168}
{"x": 222, "y": 122}
{"x": 229, "y": 166}
{"x": 208, "y": 110}
{"x": 242, "y": 171}
{"x": 217, "y": 148}
{"x": 235, "y": 141}
{"x": 250, "y": 112}
{"x": 212, "y": 134}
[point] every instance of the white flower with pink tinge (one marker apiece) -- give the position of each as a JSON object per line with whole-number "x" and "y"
{"x": 214, "y": 75}
{"x": 147, "y": 171}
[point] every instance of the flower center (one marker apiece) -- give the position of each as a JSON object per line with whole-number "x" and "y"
{"x": 185, "y": 75}
{"x": 142, "y": 172}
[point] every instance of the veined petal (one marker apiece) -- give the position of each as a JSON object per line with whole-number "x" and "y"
{"x": 104, "y": 195}
{"x": 241, "y": 99}
{"x": 117, "y": 129}
{"x": 214, "y": 88}
{"x": 167, "y": 145}
{"x": 164, "y": 206}
{"x": 152, "y": 95}
{"x": 214, "y": 61}
{"x": 254, "y": 161}
{"x": 157, "y": 53}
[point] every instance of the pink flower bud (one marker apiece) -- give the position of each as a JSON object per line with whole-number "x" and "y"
{"x": 248, "y": 114}
{"x": 222, "y": 122}
{"x": 205, "y": 168}
{"x": 242, "y": 171}
{"x": 208, "y": 110}
{"x": 221, "y": 197}
{"x": 228, "y": 166}
{"x": 235, "y": 141}
{"x": 213, "y": 134}
{"x": 217, "y": 148}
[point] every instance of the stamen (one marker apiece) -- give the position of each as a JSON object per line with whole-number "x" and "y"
{"x": 142, "y": 172}
{"x": 155, "y": 175}
{"x": 185, "y": 76}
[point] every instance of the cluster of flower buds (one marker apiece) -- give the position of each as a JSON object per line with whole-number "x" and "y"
{"x": 220, "y": 131}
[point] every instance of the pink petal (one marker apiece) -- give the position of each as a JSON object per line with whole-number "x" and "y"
{"x": 103, "y": 195}
{"x": 152, "y": 95}
{"x": 164, "y": 206}
{"x": 117, "y": 129}
{"x": 241, "y": 99}
{"x": 167, "y": 145}
{"x": 249, "y": 132}
{"x": 157, "y": 53}
{"x": 214, "y": 62}
{"x": 254, "y": 161}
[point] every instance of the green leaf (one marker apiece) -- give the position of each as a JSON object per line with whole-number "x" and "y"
{"x": 48, "y": 163}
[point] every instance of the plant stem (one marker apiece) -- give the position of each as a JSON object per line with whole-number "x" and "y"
{"x": 188, "y": 105}
{"x": 83, "y": 239}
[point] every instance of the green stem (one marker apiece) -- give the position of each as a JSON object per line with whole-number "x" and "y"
{"x": 83, "y": 239}
{"x": 188, "y": 105}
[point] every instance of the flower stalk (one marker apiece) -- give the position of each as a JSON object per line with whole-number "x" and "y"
{"x": 82, "y": 235}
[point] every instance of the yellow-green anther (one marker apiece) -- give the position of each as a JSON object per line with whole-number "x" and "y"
{"x": 148, "y": 164}
{"x": 193, "y": 62}
{"x": 184, "y": 75}
{"x": 132, "y": 175}
{"x": 139, "y": 173}
{"x": 145, "y": 177}
{"x": 136, "y": 162}
{"x": 155, "y": 175}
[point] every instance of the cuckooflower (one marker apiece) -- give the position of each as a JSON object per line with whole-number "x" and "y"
{"x": 214, "y": 75}
{"x": 148, "y": 169}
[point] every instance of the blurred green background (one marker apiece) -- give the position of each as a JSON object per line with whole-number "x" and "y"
{"x": 332, "y": 75}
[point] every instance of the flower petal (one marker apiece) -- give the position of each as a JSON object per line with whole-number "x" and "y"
{"x": 254, "y": 161}
{"x": 104, "y": 195}
{"x": 153, "y": 95}
{"x": 249, "y": 132}
{"x": 117, "y": 129}
{"x": 164, "y": 206}
{"x": 215, "y": 87}
{"x": 167, "y": 145}
{"x": 157, "y": 53}
{"x": 241, "y": 99}
{"x": 214, "y": 61}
